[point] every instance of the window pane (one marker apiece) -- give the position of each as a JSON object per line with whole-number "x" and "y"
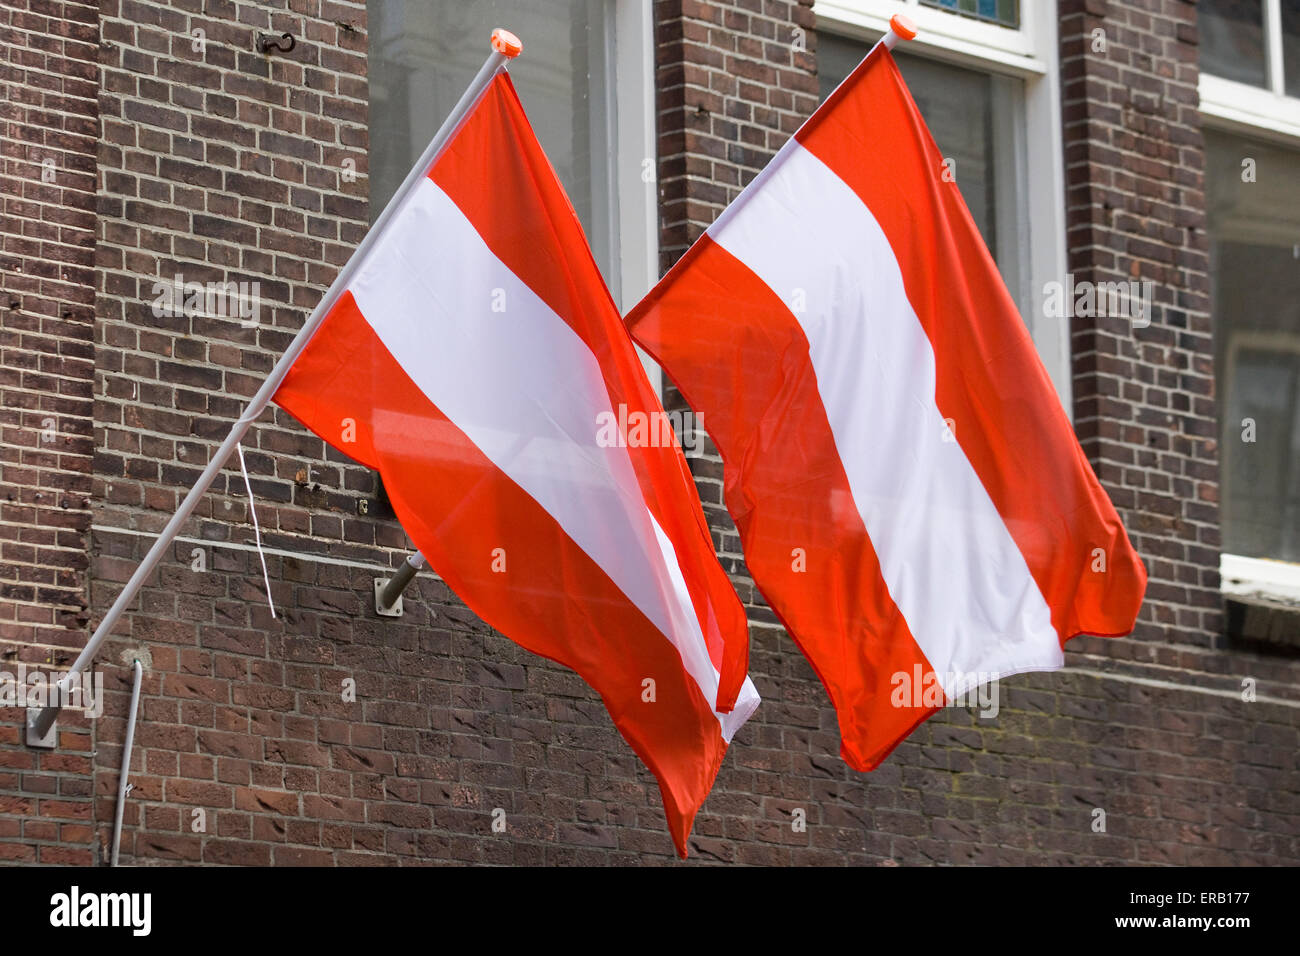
{"x": 972, "y": 116}
{"x": 1255, "y": 276}
{"x": 1232, "y": 40}
{"x": 424, "y": 53}
{"x": 1291, "y": 45}
{"x": 1004, "y": 12}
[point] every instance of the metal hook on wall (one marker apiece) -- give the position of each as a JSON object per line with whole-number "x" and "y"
{"x": 266, "y": 42}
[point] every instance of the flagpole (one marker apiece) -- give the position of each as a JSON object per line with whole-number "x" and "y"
{"x": 505, "y": 47}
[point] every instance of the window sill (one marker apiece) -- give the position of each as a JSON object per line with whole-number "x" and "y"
{"x": 1243, "y": 108}
{"x": 1262, "y": 604}
{"x": 1259, "y": 580}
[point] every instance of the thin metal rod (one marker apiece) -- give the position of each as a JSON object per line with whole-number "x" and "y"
{"x": 400, "y": 579}
{"x": 259, "y": 401}
{"x": 126, "y": 758}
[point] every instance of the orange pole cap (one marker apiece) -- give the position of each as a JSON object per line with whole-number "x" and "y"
{"x": 506, "y": 43}
{"x": 902, "y": 26}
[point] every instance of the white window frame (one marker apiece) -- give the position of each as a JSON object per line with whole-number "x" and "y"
{"x": 1030, "y": 54}
{"x": 637, "y": 255}
{"x": 1254, "y": 110}
{"x": 1267, "y": 114}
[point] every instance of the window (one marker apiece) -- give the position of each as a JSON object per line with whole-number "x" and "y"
{"x": 1291, "y": 46}
{"x": 584, "y": 78}
{"x": 1005, "y": 12}
{"x": 984, "y": 75}
{"x": 424, "y": 54}
{"x": 1250, "y": 62}
{"x": 1250, "y": 108}
{"x": 1254, "y": 224}
{"x": 1232, "y": 40}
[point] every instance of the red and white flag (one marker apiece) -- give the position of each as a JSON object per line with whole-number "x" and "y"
{"x": 476, "y": 362}
{"x": 911, "y": 497}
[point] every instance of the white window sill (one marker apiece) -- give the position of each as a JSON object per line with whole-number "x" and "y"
{"x": 1242, "y": 108}
{"x": 1260, "y": 579}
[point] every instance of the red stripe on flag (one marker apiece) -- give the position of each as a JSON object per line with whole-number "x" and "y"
{"x": 787, "y": 490}
{"x": 496, "y": 154}
{"x": 552, "y": 598}
{"x": 991, "y": 383}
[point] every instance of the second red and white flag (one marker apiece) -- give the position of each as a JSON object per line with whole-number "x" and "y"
{"x": 910, "y": 495}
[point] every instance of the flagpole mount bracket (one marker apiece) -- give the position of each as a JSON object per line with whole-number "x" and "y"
{"x": 47, "y": 741}
{"x": 388, "y": 591}
{"x": 391, "y": 610}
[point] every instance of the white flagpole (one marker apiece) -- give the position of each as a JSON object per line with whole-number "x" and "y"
{"x": 505, "y": 47}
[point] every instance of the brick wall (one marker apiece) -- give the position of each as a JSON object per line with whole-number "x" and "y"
{"x": 48, "y": 103}
{"x": 219, "y": 163}
{"x": 734, "y": 81}
{"x": 222, "y": 164}
{"x": 1144, "y": 397}
{"x": 1145, "y": 409}
{"x": 1145, "y": 401}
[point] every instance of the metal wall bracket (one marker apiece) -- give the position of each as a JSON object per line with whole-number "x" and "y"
{"x": 395, "y": 610}
{"x": 49, "y": 740}
{"x": 388, "y": 591}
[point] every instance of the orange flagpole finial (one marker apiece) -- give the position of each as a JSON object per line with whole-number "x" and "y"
{"x": 506, "y": 43}
{"x": 900, "y": 28}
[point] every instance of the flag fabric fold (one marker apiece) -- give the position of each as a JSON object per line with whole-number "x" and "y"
{"x": 475, "y": 361}
{"x": 911, "y": 498}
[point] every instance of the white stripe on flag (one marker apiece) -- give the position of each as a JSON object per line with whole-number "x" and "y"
{"x": 527, "y": 391}
{"x": 949, "y": 562}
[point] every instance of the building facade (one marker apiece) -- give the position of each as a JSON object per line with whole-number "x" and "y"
{"x": 1135, "y": 168}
